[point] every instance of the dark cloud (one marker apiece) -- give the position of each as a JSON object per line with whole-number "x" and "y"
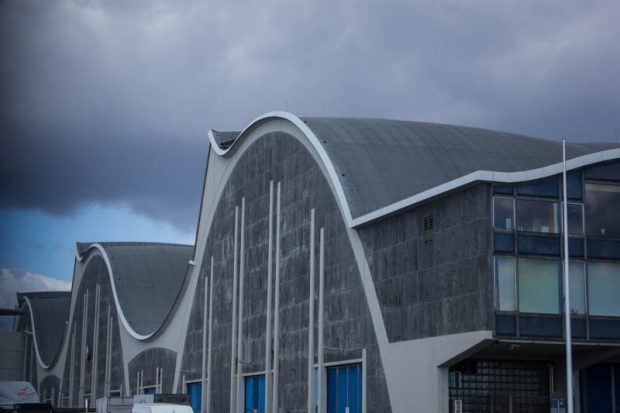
{"x": 110, "y": 101}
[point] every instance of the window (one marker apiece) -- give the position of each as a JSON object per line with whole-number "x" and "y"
{"x": 539, "y": 286}
{"x": 503, "y": 213}
{"x": 505, "y": 273}
{"x": 603, "y": 288}
{"x": 577, "y": 287}
{"x": 194, "y": 391}
{"x": 545, "y": 188}
{"x": 575, "y": 218}
{"x": 254, "y": 394}
{"x": 602, "y": 205}
{"x": 538, "y": 216}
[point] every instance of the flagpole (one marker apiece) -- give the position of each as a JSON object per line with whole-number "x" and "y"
{"x": 567, "y": 329}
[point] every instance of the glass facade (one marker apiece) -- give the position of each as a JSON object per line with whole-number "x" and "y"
{"x": 539, "y": 286}
{"x": 528, "y": 245}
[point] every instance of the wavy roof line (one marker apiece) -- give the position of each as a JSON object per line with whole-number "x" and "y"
{"x": 49, "y": 312}
{"x": 379, "y": 166}
{"x": 146, "y": 280}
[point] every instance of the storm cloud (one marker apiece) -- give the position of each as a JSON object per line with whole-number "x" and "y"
{"x": 109, "y": 102}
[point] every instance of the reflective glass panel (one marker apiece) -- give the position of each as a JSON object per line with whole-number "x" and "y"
{"x": 539, "y": 286}
{"x": 577, "y": 288}
{"x": 503, "y": 213}
{"x": 602, "y": 206}
{"x": 538, "y": 216}
{"x": 604, "y": 288}
{"x": 575, "y": 218}
{"x": 545, "y": 188}
{"x": 505, "y": 272}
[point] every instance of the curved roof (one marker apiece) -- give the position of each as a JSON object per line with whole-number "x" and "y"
{"x": 49, "y": 312}
{"x": 381, "y": 164}
{"x": 146, "y": 280}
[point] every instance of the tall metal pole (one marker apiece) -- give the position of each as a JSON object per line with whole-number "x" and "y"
{"x": 311, "y": 383}
{"x": 268, "y": 376}
{"x": 567, "y": 329}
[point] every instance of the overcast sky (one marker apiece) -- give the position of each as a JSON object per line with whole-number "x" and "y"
{"x": 105, "y": 105}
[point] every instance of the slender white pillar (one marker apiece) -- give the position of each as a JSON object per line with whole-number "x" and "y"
{"x": 72, "y": 365}
{"x": 268, "y": 377}
{"x": 83, "y": 350}
{"x": 276, "y": 311}
{"x": 321, "y": 356}
{"x": 210, "y": 341}
{"x": 240, "y": 358}
{"x": 567, "y": 329}
{"x": 364, "y": 370}
{"x": 108, "y": 355}
{"x": 311, "y": 382}
{"x": 203, "y": 387}
{"x": 95, "y": 358}
{"x": 233, "y": 324}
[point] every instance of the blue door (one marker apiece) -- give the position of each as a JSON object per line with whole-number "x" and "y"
{"x": 344, "y": 389}
{"x": 194, "y": 391}
{"x": 254, "y": 394}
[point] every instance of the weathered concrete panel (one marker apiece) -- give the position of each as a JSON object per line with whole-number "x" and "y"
{"x": 437, "y": 283}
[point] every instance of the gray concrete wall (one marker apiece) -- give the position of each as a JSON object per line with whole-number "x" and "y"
{"x": 95, "y": 272}
{"x": 348, "y": 326}
{"x": 434, "y": 284}
{"x": 11, "y": 355}
{"x": 148, "y": 362}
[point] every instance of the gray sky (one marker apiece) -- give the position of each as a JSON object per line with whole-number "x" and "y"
{"x": 109, "y": 102}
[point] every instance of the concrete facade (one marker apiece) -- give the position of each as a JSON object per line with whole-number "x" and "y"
{"x": 410, "y": 288}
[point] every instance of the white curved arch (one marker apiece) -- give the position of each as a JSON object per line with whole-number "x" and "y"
{"x": 314, "y": 140}
{"x": 477, "y": 176}
{"x": 117, "y": 304}
{"x": 34, "y": 338}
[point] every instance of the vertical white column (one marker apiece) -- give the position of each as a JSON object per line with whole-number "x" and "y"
{"x": 108, "y": 356}
{"x": 72, "y": 366}
{"x": 94, "y": 363}
{"x": 83, "y": 351}
{"x": 233, "y": 324}
{"x": 276, "y": 310}
{"x": 203, "y": 387}
{"x": 364, "y": 374}
{"x": 321, "y": 362}
{"x": 311, "y": 383}
{"x": 567, "y": 328}
{"x": 268, "y": 377}
{"x": 210, "y": 339}
{"x": 240, "y": 318}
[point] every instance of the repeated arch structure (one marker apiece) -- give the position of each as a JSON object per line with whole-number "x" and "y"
{"x": 359, "y": 172}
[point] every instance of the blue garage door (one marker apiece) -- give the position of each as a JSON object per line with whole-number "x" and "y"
{"x": 344, "y": 389}
{"x": 194, "y": 391}
{"x": 254, "y": 394}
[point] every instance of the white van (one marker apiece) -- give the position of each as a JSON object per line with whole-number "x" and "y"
{"x": 161, "y": 408}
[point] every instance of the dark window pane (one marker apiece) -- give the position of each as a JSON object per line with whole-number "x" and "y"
{"x": 503, "y": 189}
{"x": 539, "y": 286}
{"x": 609, "y": 329}
{"x": 575, "y": 219}
{"x": 538, "y": 216}
{"x": 504, "y": 242}
{"x": 602, "y": 206}
{"x": 503, "y": 213}
{"x": 574, "y": 185}
{"x": 505, "y": 325}
{"x": 607, "y": 172}
{"x": 603, "y": 248}
{"x": 604, "y": 288}
{"x": 537, "y": 326}
{"x": 578, "y": 327}
{"x": 546, "y": 187}
{"x": 539, "y": 245}
{"x": 575, "y": 247}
